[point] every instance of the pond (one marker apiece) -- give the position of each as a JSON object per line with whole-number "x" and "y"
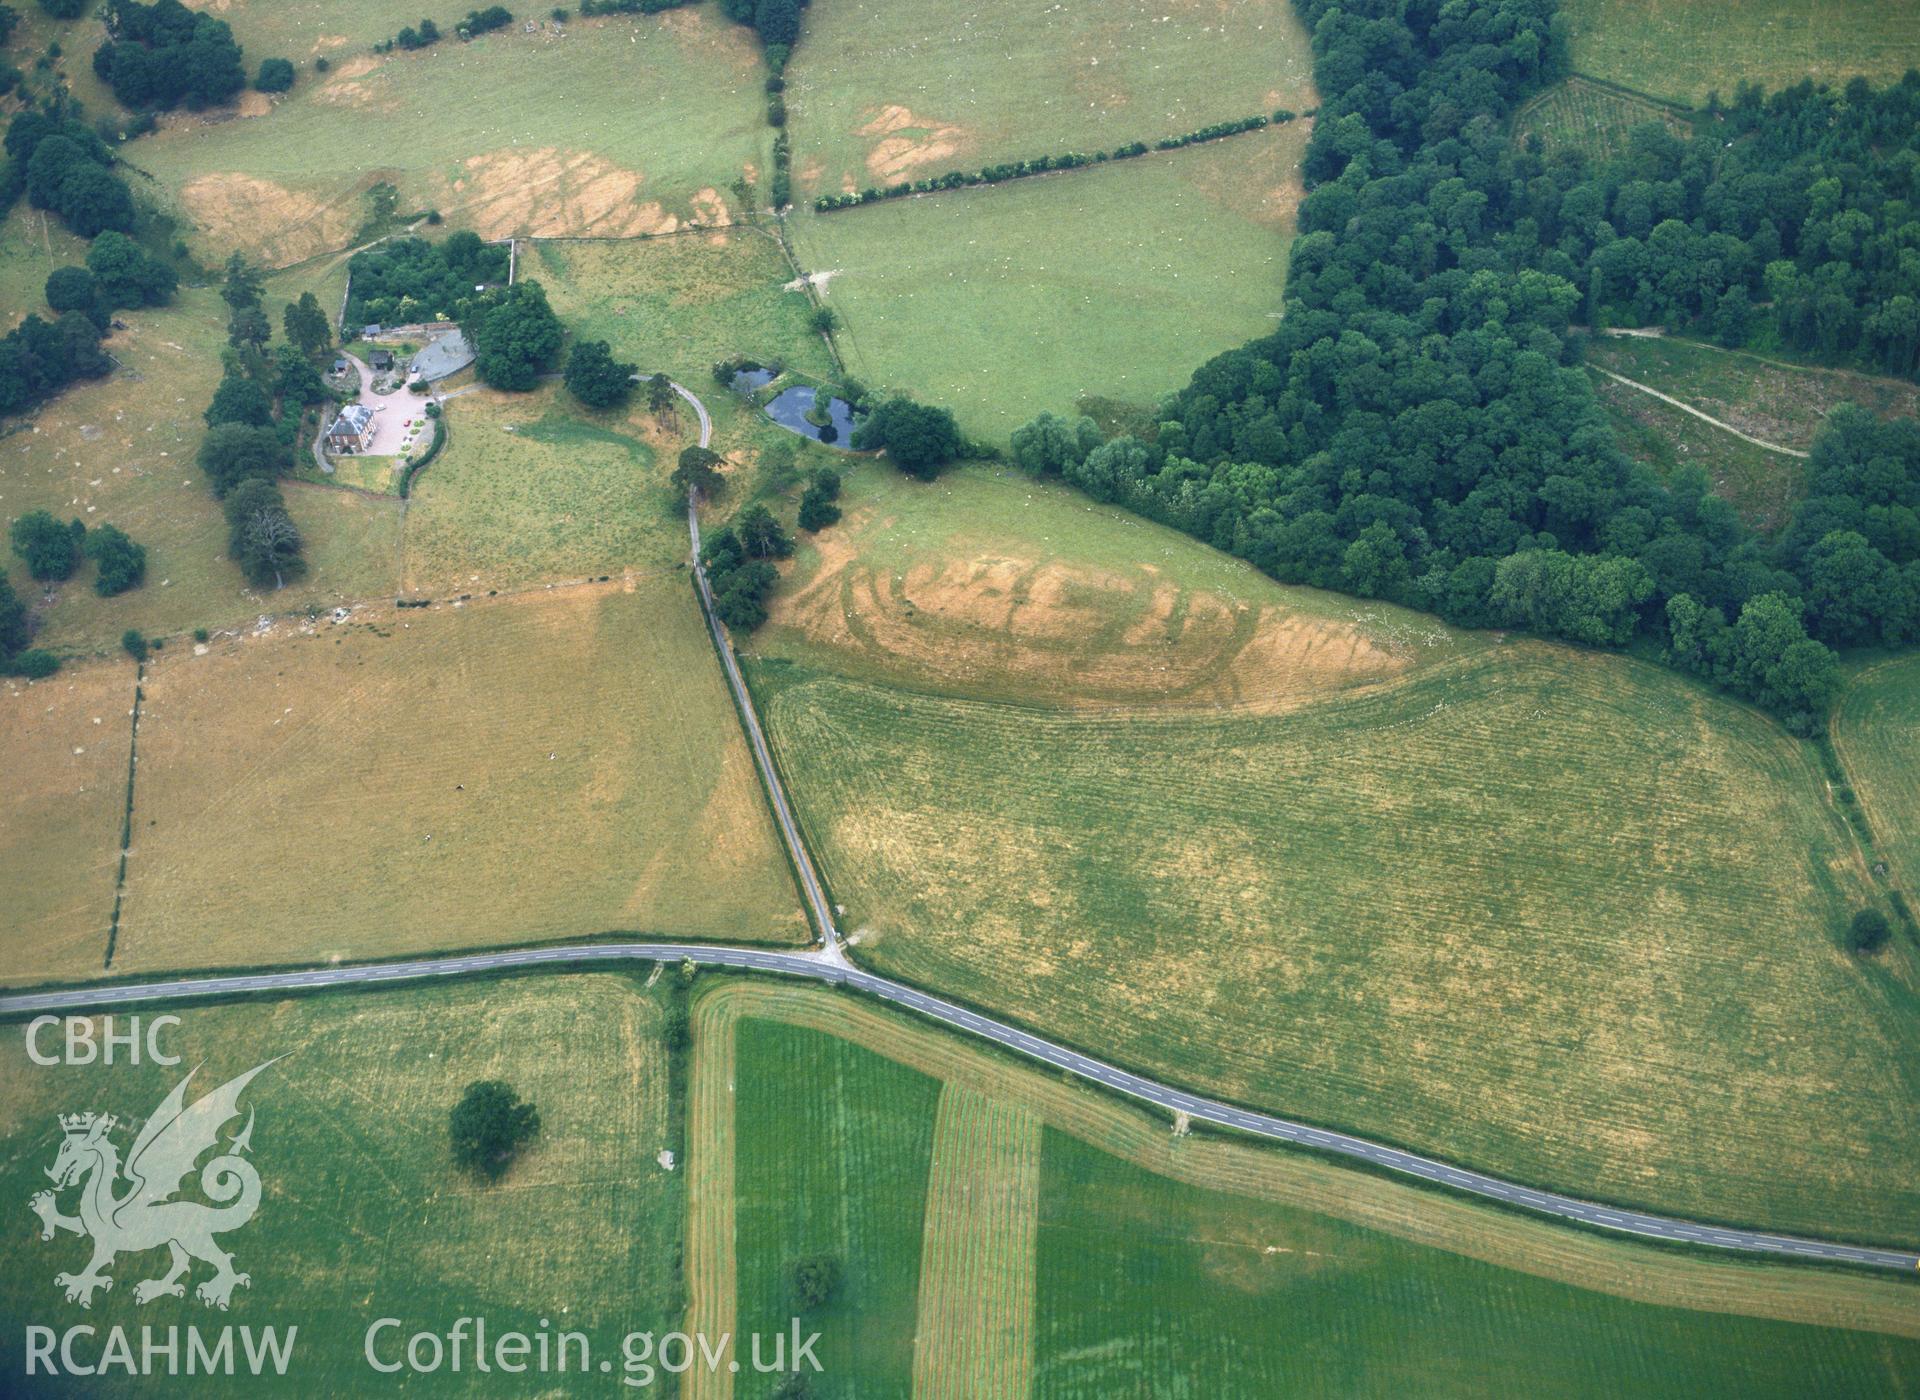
{"x": 789, "y": 409}
{"x": 745, "y": 381}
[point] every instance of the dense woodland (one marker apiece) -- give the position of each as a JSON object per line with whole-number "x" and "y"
{"x": 409, "y": 279}
{"x": 1419, "y": 427}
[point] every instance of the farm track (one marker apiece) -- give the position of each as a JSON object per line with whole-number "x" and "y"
{"x": 829, "y": 964}
{"x": 1703, "y": 417}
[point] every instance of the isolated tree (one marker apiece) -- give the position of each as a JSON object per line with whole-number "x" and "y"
{"x": 823, "y": 320}
{"x": 237, "y": 452}
{"x": 306, "y": 325}
{"x": 815, "y": 1280}
{"x": 489, "y": 1125}
{"x": 51, "y": 550}
{"x": 919, "y": 438}
{"x": 1868, "y": 932}
{"x": 595, "y": 377}
{"x": 120, "y": 564}
{"x": 817, "y": 508}
{"x": 241, "y": 283}
{"x": 698, "y": 470}
{"x": 275, "y": 75}
{"x": 662, "y": 402}
{"x": 134, "y": 644}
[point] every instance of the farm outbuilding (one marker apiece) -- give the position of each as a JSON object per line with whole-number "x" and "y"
{"x": 381, "y": 360}
{"x": 442, "y": 356}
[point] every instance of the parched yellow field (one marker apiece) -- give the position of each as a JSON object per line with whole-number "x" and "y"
{"x": 63, "y": 751}
{"x": 617, "y": 126}
{"x": 1336, "y": 1197}
{"x": 883, "y": 92}
{"x": 988, "y": 584}
{"x": 529, "y": 488}
{"x": 1682, "y": 50}
{"x": 543, "y": 766}
{"x": 120, "y": 451}
{"x": 1552, "y": 913}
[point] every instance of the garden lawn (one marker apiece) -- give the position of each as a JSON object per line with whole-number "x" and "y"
{"x": 1114, "y": 280}
{"x": 363, "y": 1214}
{"x": 881, "y": 92}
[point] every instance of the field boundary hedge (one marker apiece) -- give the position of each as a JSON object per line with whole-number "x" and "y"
{"x": 1047, "y": 164}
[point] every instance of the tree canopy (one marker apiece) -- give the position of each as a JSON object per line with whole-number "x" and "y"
{"x": 919, "y": 438}
{"x": 489, "y": 1125}
{"x": 515, "y": 336}
{"x": 50, "y": 548}
{"x": 160, "y": 55}
{"x": 595, "y": 377}
{"x": 119, "y": 563}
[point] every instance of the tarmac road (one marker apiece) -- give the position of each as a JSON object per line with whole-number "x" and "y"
{"x": 827, "y": 965}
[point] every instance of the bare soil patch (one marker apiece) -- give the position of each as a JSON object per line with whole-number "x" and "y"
{"x": 907, "y": 143}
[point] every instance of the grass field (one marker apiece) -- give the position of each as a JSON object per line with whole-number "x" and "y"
{"x": 1578, "y": 115}
{"x": 1762, "y": 486}
{"x": 548, "y": 765}
{"x": 883, "y": 92}
{"x": 1877, "y": 733}
{"x": 1766, "y": 399}
{"x": 834, "y": 1146}
{"x": 1330, "y": 908}
{"x": 1680, "y": 50}
{"x": 1169, "y": 1265}
{"x": 511, "y": 134}
{"x": 32, "y": 244}
{"x": 363, "y": 1214}
{"x": 63, "y": 746}
{"x": 680, "y": 305}
{"x": 533, "y": 487}
{"x": 121, "y": 450}
{"x": 991, "y": 585}
{"x": 1115, "y": 280}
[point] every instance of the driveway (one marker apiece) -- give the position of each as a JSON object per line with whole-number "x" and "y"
{"x": 392, "y": 414}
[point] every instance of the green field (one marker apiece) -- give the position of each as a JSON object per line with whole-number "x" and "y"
{"x": 679, "y": 306}
{"x": 121, "y": 450}
{"x": 32, "y": 244}
{"x": 1773, "y": 401}
{"x": 1552, "y": 913}
{"x": 1115, "y": 280}
{"x": 882, "y": 92}
{"x": 1877, "y": 733}
{"x": 512, "y": 134}
{"x": 1681, "y": 50}
{"x": 363, "y": 1214}
{"x": 1762, "y": 486}
{"x": 532, "y": 487}
{"x": 561, "y": 763}
{"x": 834, "y": 1148}
{"x": 1584, "y": 116}
{"x": 1139, "y": 1263}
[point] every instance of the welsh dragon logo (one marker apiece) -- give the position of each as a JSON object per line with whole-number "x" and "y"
{"x": 145, "y": 1217}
